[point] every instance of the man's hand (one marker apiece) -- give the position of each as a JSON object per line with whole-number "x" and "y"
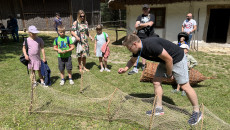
{"x": 121, "y": 70}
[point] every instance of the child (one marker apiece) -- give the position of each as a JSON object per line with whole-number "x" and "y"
{"x": 35, "y": 45}
{"x": 64, "y": 46}
{"x": 191, "y": 63}
{"x": 101, "y": 43}
{"x": 182, "y": 41}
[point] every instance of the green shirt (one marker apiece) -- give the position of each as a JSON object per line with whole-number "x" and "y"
{"x": 63, "y": 45}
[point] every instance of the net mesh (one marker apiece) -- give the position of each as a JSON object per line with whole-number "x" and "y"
{"x": 113, "y": 104}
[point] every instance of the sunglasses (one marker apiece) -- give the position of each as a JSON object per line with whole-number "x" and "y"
{"x": 82, "y": 16}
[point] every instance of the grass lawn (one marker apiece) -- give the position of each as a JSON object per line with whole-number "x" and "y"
{"x": 15, "y": 87}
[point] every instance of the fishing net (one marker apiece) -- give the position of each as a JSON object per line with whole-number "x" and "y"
{"x": 106, "y": 102}
{"x": 195, "y": 76}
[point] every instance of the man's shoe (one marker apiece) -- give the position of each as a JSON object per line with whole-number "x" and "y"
{"x": 158, "y": 111}
{"x": 195, "y": 118}
{"x": 133, "y": 71}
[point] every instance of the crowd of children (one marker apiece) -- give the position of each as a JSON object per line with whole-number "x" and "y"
{"x": 64, "y": 46}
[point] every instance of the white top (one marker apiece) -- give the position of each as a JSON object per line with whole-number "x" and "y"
{"x": 188, "y": 25}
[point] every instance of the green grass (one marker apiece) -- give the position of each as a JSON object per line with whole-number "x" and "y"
{"x": 15, "y": 87}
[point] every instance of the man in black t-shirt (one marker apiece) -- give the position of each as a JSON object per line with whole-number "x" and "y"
{"x": 144, "y": 26}
{"x": 172, "y": 65}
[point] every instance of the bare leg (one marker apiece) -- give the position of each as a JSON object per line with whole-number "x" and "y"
{"x": 105, "y": 63}
{"x": 101, "y": 63}
{"x": 143, "y": 61}
{"x": 70, "y": 74}
{"x": 62, "y": 74}
{"x": 178, "y": 87}
{"x": 84, "y": 63}
{"x": 191, "y": 94}
{"x": 79, "y": 63}
{"x": 40, "y": 76}
{"x": 158, "y": 91}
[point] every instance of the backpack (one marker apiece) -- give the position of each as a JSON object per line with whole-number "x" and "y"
{"x": 56, "y": 40}
{"x": 104, "y": 36}
{"x": 22, "y": 57}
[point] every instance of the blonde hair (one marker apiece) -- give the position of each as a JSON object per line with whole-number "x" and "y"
{"x": 61, "y": 28}
{"x": 79, "y": 14}
{"x": 99, "y": 27}
{"x": 130, "y": 39}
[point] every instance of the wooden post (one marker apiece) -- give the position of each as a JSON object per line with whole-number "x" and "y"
{"x": 45, "y": 15}
{"x": 71, "y": 13}
{"x": 23, "y": 17}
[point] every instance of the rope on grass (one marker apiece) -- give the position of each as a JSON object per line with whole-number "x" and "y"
{"x": 32, "y": 76}
{"x": 153, "y": 112}
{"x": 110, "y": 100}
{"x": 202, "y": 109}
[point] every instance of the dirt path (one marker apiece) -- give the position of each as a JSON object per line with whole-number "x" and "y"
{"x": 214, "y": 48}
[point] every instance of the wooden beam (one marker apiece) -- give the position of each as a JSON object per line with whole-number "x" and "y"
{"x": 22, "y": 12}
{"x": 71, "y": 13}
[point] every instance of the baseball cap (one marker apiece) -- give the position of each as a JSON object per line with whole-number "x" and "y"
{"x": 33, "y": 29}
{"x": 184, "y": 46}
{"x": 145, "y": 6}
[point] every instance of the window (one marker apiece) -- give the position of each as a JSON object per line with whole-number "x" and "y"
{"x": 159, "y": 14}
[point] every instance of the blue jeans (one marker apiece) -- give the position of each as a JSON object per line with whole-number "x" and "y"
{"x": 189, "y": 39}
{"x": 15, "y": 32}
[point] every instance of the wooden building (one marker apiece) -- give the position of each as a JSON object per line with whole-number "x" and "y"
{"x": 212, "y": 17}
{"x": 41, "y": 13}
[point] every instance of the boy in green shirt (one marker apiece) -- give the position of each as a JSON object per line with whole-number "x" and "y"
{"x": 64, "y": 46}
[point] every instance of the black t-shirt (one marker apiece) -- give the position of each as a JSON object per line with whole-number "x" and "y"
{"x": 152, "y": 47}
{"x": 146, "y": 31}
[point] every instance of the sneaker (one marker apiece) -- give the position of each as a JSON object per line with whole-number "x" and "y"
{"x": 158, "y": 111}
{"x": 107, "y": 70}
{"x": 143, "y": 67}
{"x": 195, "y": 118}
{"x": 44, "y": 85}
{"x": 62, "y": 82}
{"x": 102, "y": 69}
{"x": 183, "y": 93}
{"x": 71, "y": 82}
{"x": 135, "y": 70}
{"x": 175, "y": 91}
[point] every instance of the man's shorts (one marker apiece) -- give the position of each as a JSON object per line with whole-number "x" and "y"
{"x": 180, "y": 71}
{"x": 64, "y": 63}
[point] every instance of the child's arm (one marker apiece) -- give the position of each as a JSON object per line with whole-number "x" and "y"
{"x": 70, "y": 49}
{"x": 56, "y": 49}
{"x": 43, "y": 52}
{"x": 24, "y": 52}
{"x": 95, "y": 46}
{"x": 108, "y": 41}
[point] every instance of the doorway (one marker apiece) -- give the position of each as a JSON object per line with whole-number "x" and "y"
{"x": 218, "y": 25}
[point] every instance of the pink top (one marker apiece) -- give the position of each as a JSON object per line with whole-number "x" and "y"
{"x": 34, "y": 48}
{"x": 105, "y": 50}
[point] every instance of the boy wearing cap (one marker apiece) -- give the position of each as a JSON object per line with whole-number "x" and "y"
{"x": 144, "y": 27}
{"x": 64, "y": 46}
{"x": 35, "y": 45}
{"x": 191, "y": 63}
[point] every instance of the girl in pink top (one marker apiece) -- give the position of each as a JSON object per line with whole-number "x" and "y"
{"x": 35, "y": 45}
